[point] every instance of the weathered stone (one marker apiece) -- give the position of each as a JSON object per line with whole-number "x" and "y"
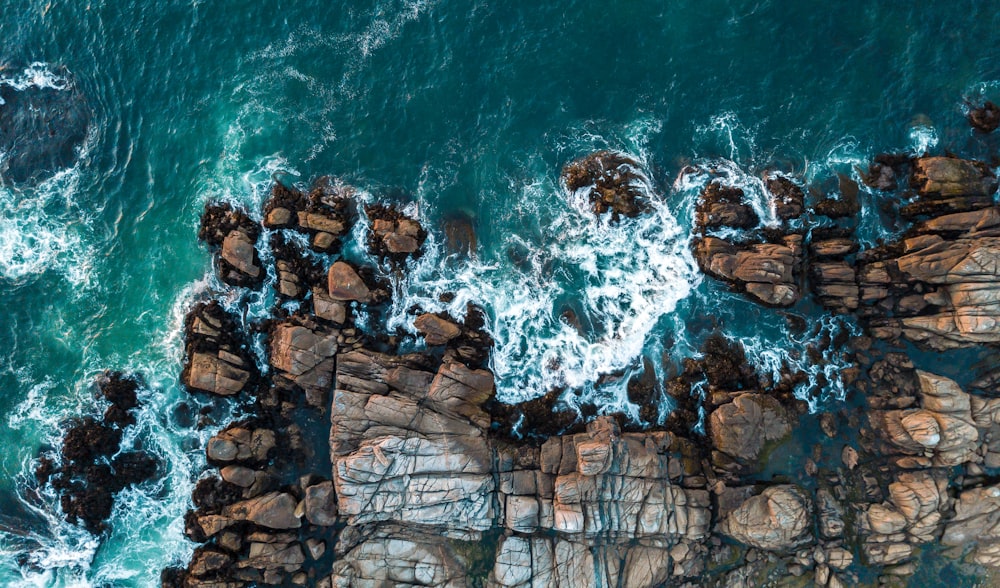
{"x": 320, "y": 504}
{"x": 436, "y": 330}
{"x": 275, "y": 510}
{"x": 344, "y": 283}
{"x": 777, "y": 519}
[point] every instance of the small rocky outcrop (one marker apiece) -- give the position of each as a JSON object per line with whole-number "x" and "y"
{"x": 392, "y": 234}
{"x": 946, "y": 185}
{"x": 325, "y": 214}
{"x": 787, "y": 198}
{"x": 720, "y": 206}
{"x": 217, "y": 356}
{"x": 233, "y": 234}
{"x": 93, "y": 466}
{"x": 435, "y": 329}
{"x": 985, "y": 118}
{"x": 612, "y": 182}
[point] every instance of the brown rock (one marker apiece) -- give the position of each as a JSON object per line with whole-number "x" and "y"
{"x": 436, "y": 330}
{"x": 345, "y": 284}
{"x": 275, "y": 510}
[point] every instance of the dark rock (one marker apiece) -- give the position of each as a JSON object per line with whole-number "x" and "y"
{"x": 985, "y": 118}
{"x": 392, "y": 234}
{"x": 613, "y": 182}
{"x": 788, "y": 198}
{"x": 722, "y": 206}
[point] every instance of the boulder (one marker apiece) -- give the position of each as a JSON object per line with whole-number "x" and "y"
{"x": 766, "y": 272}
{"x": 320, "y": 504}
{"x": 344, "y": 283}
{"x": 778, "y": 519}
{"x": 742, "y": 428}
{"x": 436, "y": 330}
{"x": 275, "y": 510}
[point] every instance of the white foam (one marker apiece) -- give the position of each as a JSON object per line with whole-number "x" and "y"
{"x": 37, "y": 75}
{"x": 621, "y": 279}
{"x": 923, "y": 138}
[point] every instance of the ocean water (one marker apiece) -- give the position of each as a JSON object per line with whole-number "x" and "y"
{"x": 449, "y": 108}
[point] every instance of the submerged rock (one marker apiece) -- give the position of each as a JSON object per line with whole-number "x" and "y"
{"x": 43, "y": 128}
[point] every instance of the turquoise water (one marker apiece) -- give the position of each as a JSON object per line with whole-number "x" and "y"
{"x": 470, "y": 107}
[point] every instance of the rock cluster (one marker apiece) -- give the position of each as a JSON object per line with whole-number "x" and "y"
{"x": 93, "y": 466}
{"x": 429, "y": 481}
{"x": 612, "y": 182}
{"x": 217, "y": 356}
{"x": 234, "y": 235}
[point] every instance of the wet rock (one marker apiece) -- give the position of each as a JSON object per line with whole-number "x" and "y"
{"x": 787, "y": 198}
{"x": 778, "y": 519}
{"x": 722, "y": 206}
{"x": 234, "y": 234}
{"x": 948, "y": 185}
{"x": 94, "y": 465}
{"x": 612, "y": 182}
{"x": 393, "y": 234}
{"x": 984, "y": 118}
{"x": 217, "y": 353}
{"x": 435, "y": 329}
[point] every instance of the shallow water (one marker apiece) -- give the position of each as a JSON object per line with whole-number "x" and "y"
{"x": 450, "y": 107}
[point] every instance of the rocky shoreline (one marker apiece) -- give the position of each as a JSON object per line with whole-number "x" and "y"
{"x": 357, "y": 465}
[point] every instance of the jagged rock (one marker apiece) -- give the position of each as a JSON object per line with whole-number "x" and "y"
{"x": 722, "y": 206}
{"x": 787, "y": 198}
{"x": 778, "y": 519}
{"x": 942, "y": 428}
{"x": 304, "y": 351}
{"x": 834, "y": 285}
{"x": 409, "y": 445}
{"x": 765, "y": 271}
{"x": 977, "y": 522}
{"x": 233, "y": 232}
{"x": 345, "y": 284}
{"x": 612, "y": 183}
{"x": 949, "y": 177}
{"x": 956, "y": 278}
{"x": 741, "y": 429}
{"x": 217, "y": 360}
{"x": 436, "y": 330}
{"x": 392, "y": 233}
{"x": 985, "y": 118}
{"x": 393, "y": 556}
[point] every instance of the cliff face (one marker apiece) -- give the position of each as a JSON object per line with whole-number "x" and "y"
{"x": 419, "y": 484}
